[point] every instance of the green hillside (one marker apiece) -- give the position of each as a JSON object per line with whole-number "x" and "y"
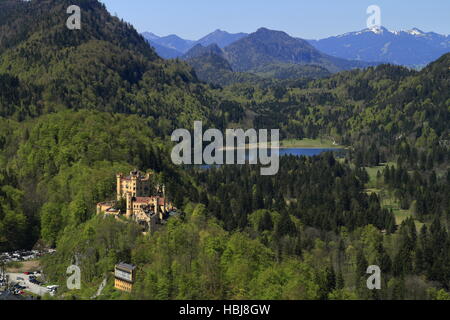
{"x": 105, "y": 66}
{"x": 76, "y": 107}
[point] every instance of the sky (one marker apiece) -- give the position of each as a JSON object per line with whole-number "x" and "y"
{"x": 308, "y": 19}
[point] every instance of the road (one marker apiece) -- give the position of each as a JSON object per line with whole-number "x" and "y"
{"x": 31, "y": 287}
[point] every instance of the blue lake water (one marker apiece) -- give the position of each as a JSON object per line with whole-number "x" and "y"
{"x": 304, "y": 152}
{"x": 299, "y": 152}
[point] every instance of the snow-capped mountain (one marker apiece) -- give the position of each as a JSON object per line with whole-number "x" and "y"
{"x": 413, "y": 47}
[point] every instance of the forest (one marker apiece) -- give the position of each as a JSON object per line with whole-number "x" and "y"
{"x": 76, "y": 108}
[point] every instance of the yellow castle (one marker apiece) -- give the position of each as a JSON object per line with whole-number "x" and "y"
{"x": 136, "y": 184}
{"x": 145, "y": 201}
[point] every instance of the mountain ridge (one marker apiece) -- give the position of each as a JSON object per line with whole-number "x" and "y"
{"x": 211, "y": 65}
{"x": 413, "y": 48}
{"x": 181, "y": 46}
{"x": 221, "y": 38}
{"x": 270, "y": 46}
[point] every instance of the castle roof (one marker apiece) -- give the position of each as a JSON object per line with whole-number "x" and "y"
{"x": 137, "y": 174}
{"x": 125, "y": 266}
{"x": 149, "y": 200}
{"x": 107, "y": 203}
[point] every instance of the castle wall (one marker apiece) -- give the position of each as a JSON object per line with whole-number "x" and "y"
{"x": 136, "y": 184}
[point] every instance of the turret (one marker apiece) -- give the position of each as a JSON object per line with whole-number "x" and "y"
{"x": 134, "y": 185}
{"x": 119, "y": 177}
{"x": 164, "y": 197}
{"x": 129, "y": 205}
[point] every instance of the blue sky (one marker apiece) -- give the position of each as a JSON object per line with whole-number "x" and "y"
{"x": 309, "y": 19}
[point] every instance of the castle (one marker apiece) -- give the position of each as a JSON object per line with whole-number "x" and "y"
{"x": 145, "y": 201}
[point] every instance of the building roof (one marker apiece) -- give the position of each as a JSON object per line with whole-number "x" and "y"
{"x": 137, "y": 174}
{"x": 125, "y": 266}
{"x": 107, "y": 203}
{"x": 146, "y": 200}
{"x": 149, "y": 200}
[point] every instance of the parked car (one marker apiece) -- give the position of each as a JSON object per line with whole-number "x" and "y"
{"x": 19, "y": 287}
{"x": 53, "y": 288}
{"x": 36, "y": 282}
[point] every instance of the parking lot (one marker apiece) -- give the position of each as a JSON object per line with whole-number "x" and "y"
{"x": 23, "y": 255}
{"x": 24, "y": 281}
{"x": 25, "y": 278}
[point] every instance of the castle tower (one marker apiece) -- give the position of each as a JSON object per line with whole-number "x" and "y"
{"x": 164, "y": 197}
{"x": 119, "y": 177}
{"x": 155, "y": 204}
{"x": 134, "y": 185}
{"x": 129, "y": 205}
{"x": 158, "y": 212}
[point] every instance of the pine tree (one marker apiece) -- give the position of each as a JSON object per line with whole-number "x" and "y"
{"x": 340, "y": 283}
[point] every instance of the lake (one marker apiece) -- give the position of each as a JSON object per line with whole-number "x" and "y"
{"x": 308, "y": 152}
{"x": 299, "y": 152}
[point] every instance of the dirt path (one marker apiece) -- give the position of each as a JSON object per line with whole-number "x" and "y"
{"x": 26, "y": 266}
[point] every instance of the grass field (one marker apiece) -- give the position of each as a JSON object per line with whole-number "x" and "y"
{"x": 301, "y": 144}
{"x": 387, "y": 200}
{"x": 309, "y": 143}
{"x": 372, "y": 171}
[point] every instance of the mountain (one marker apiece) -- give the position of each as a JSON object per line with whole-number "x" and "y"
{"x": 165, "y": 52}
{"x": 266, "y": 46}
{"x": 175, "y": 42}
{"x": 150, "y": 36}
{"x": 265, "y": 53}
{"x": 173, "y": 46}
{"x": 162, "y": 50}
{"x": 211, "y": 65}
{"x": 200, "y": 50}
{"x": 221, "y": 38}
{"x": 410, "y": 48}
{"x": 32, "y": 22}
{"x": 106, "y": 66}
